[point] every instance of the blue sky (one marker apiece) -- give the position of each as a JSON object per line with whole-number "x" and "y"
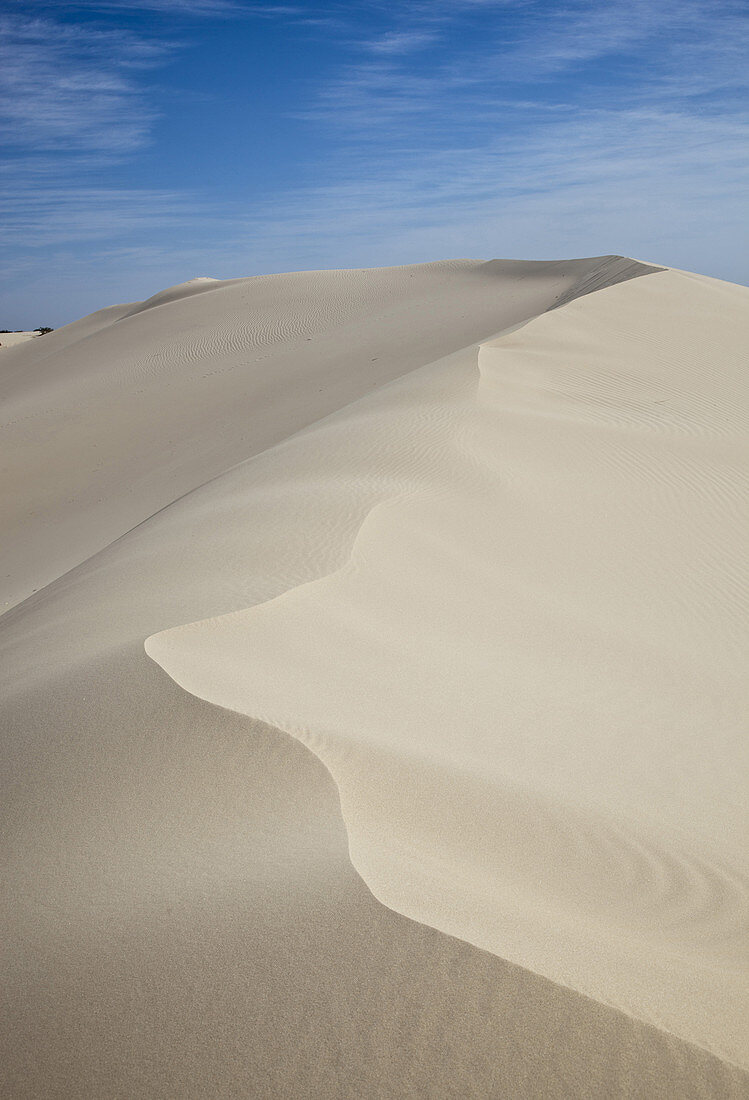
{"x": 146, "y": 143}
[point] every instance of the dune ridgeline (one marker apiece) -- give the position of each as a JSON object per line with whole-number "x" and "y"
{"x": 475, "y": 535}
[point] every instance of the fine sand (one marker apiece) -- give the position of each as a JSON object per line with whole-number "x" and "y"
{"x": 11, "y": 339}
{"x": 493, "y": 582}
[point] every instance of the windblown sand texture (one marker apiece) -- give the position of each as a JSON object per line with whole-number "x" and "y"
{"x": 495, "y": 584}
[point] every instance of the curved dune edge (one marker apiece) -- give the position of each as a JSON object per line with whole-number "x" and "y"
{"x": 112, "y": 418}
{"x": 182, "y": 914}
{"x": 626, "y": 635}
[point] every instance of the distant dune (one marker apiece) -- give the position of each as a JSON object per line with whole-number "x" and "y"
{"x": 11, "y": 339}
{"x": 474, "y": 533}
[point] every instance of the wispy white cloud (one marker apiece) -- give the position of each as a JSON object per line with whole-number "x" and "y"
{"x": 593, "y": 169}
{"x": 632, "y": 52}
{"x": 569, "y": 129}
{"x": 656, "y": 37}
{"x": 640, "y": 182}
{"x": 74, "y": 87}
{"x": 401, "y": 42}
{"x": 52, "y": 215}
{"x": 166, "y": 7}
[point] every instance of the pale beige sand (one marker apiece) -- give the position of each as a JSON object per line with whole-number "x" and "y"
{"x": 529, "y": 679}
{"x": 180, "y": 913}
{"x": 11, "y": 339}
{"x": 109, "y": 419}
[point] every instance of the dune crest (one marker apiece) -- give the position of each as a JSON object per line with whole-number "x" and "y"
{"x": 180, "y": 912}
{"x": 108, "y": 420}
{"x": 527, "y": 680}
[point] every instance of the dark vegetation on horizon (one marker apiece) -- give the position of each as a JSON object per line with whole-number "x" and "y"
{"x": 41, "y": 330}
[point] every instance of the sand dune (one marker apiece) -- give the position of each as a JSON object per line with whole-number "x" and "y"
{"x": 12, "y": 339}
{"x": 108, "y": 420}
{"x": 497, "y": 598}
{"x": 514, "y": 678}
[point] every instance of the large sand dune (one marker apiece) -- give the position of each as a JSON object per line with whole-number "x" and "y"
{"x": 499, "y": 598}
{"x": 108, "y": 420}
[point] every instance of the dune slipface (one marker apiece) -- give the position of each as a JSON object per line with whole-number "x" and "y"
{"x": 527, "y": 681}
{"x": 492, "y": 583}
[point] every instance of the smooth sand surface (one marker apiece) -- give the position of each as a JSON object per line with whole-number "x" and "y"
{"x": 11, "y": 339}
{"x": 530, "y": 675}
{"x": 182, "y": 914}
{"x": 111, "y": 418}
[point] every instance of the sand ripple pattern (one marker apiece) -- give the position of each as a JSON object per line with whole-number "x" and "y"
{"x": 528, "y": 677}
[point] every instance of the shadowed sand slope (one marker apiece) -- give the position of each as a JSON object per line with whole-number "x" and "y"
{"x": 180, "y": 913}
{"x": 111, "y": 418}
{"x": 527, "y": 681}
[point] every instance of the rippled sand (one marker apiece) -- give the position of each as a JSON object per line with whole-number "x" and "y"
{"x": 499, "y": 598}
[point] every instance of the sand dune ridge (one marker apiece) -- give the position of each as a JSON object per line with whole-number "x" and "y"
{"x": 493, "y": 584}
{"x": 482, "y": 628}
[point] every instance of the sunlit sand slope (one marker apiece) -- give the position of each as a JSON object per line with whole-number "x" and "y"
{"x": 528, "y": 678}
{"x": 180, "y": 916}
{"x": 109, "y": 419}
